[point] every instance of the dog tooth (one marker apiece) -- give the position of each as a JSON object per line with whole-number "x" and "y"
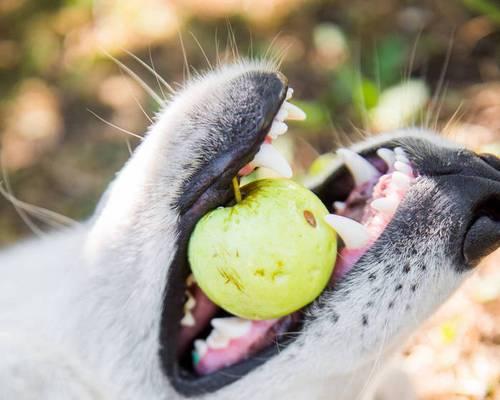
{"x": 294, "y": 112}
{"x": 201, "y": 347}
{"x": 401, "y": 180}
{"x": 388, "y": 156}
{"x": 339, "y": 205}
{"x": 282, "y": 114}
{"x": 191, "y": 302}
{"x": 277, "y": 128}
{"x": 232, "y": 327}
{"x": 289, "y": 93}
{"x": 402, "y": 158}
{"x": 361, "y": 170}
{"x": 271, "y": 158}
{"x": 190, "y": 280}
{"x": 217, "y": 340}
{"x": 353, "y": 234}
{"x": 385, "y": 204}
{"x": 403, "y": 167}
{"x": 399, "y": 151}
{"x": 188, "y": 319}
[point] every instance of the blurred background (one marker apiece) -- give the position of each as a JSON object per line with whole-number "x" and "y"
{"x": 72, "y": 78}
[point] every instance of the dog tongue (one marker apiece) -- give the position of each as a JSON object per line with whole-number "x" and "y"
{"x": 237, "y": 349}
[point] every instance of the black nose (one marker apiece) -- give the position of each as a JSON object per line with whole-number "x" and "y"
{"x": 483, "y": 234}
{"x": 471, "y": 183}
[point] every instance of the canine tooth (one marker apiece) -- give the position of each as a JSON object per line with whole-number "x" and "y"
{"x": 232, "y": 327}
{"x": 188, "y": 319}
{"x": 281, "y": 115}
{"x": 201, "y": 347}
{"x": 353, "y": 234}
{"x": 339, "y": 205}
{"x": 289, "y": 93}
{"x": 388, "y": 156}
{"x": 385, "y": 204}
{"x": 400, "y": 179}
{"x": 403, "y": 167}
{"x": 217, "y": 340}
{"x": 294, "y": 112}
{"x": 277, "y": 128}
{"x": 269, "y": 157}
{"x": 361, "y": 170}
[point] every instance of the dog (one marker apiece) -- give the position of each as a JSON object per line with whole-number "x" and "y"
{"x": 93, "y": 311}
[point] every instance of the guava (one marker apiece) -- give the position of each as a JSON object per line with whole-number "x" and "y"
{"x": 266, "y": 256}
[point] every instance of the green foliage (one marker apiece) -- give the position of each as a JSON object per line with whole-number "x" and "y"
{"x": 317, "y": 113}
{"x": 486, "y": 7}
{"x": 388, "y": 60}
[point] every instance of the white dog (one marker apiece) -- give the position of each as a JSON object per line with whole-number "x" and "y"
{"x": 94, "y": 311}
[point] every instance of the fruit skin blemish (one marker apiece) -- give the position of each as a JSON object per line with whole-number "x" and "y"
{"x": 266, "y": 256}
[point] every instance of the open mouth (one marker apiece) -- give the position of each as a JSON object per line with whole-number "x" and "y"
{"x": 212, "y": 347}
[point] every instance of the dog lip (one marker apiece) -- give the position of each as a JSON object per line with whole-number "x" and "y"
{"x": 211, "y": 188}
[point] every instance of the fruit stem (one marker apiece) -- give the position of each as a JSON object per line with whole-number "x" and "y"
{"x": 236, "y": 188}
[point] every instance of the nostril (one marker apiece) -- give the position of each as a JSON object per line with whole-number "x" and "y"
{"x": 491, "y": 160}
{"x": 489, "y": 208}
{"x": 483, "y": 236}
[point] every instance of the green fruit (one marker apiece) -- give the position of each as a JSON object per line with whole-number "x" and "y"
{"x": 266, "y": 256}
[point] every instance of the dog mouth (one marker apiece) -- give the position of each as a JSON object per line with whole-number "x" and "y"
{"x": 213, "y": 348}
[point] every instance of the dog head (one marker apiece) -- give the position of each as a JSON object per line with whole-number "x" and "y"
{"x": 135, "y": 252}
